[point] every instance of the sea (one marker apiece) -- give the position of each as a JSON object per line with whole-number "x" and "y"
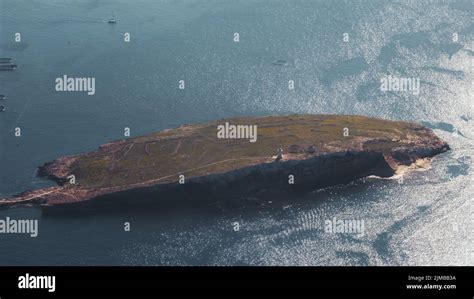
{"x": 237, "y": 58}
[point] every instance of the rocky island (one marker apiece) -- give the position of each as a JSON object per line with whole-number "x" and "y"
{"x": 295, "y": 153}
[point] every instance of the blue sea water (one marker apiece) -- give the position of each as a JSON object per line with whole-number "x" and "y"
{"x": 426, "y": 219}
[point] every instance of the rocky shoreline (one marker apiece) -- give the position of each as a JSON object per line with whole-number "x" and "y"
{"x": 316, "y": 153}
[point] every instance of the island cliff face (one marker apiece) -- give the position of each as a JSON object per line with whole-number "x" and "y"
{"x": 317, "y": 150}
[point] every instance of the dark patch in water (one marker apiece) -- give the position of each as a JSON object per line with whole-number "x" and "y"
{"x": 381, "y": 244}
{"x": 447, "y": 127}
{"x": 346, "y": 68}
{"x": 412, "y": 40}
{"x": 450, "y": 49}
{"x": 423, "y": 208}
{"x": 367, "y": 91}
{"x": 458, "y": 169}
{"x": 387, "y": 54}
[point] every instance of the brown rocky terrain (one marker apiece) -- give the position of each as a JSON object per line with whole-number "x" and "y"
{"x": 318, "y": 150}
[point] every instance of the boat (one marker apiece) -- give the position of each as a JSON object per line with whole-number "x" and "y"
{"x": 2, "y": 108}
{"x": 112, "y": 20}
{"x": 5, "y": 59}
{"x": 279, "y": 62}
{"x": 2, "y": 97}
{"x": 8, "y": 67}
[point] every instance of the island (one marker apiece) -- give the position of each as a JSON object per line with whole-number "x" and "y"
{"x": 290, "y": 154}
